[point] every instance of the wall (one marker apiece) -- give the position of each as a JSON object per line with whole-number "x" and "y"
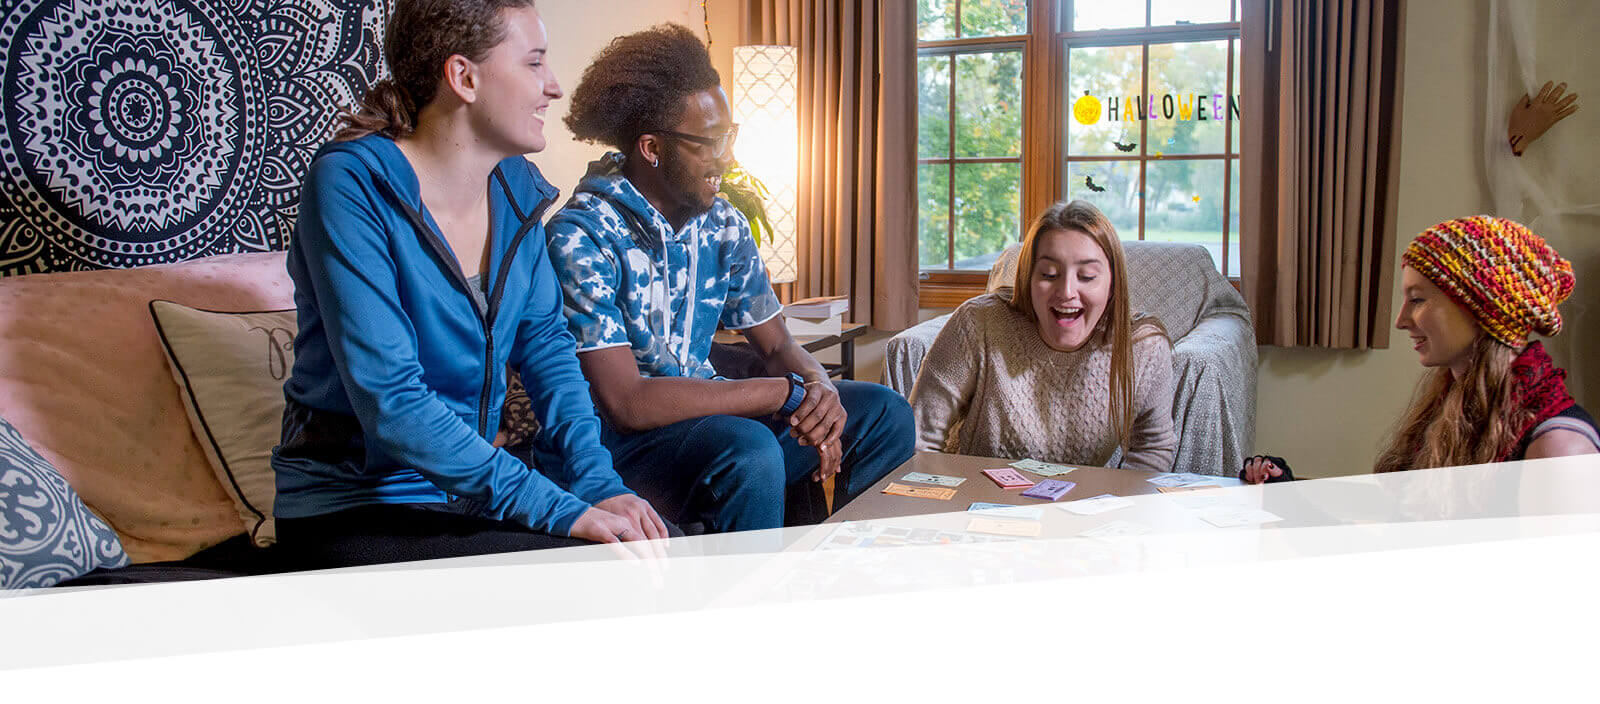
{"x": 1327, "y": 412}
{"x": 581, "y": 28}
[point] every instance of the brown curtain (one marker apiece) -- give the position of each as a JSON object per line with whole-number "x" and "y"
{"x": 1321, "y": 122}
{"x": 857, "y": 187}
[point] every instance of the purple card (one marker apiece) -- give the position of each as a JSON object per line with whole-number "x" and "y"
{"x": 1049, "y": 489}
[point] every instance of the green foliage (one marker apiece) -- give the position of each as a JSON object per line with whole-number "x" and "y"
{"x": 747, "y": 193}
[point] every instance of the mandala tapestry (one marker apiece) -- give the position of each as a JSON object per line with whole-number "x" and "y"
{"x": 148, "y": 131}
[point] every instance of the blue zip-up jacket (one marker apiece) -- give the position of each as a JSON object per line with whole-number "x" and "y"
{"x": 398, "y": 378}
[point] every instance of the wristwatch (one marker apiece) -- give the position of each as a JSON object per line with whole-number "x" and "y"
{"x": 797, "y": 393}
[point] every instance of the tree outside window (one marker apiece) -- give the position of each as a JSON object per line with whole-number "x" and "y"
{"x": 1145, "y": 127}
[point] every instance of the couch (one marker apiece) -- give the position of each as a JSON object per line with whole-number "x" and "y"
{"x": 1213, "y": 349}
{"x": 84, "y": 379}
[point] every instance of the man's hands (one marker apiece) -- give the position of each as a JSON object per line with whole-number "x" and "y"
{"x": 818, "y": 422}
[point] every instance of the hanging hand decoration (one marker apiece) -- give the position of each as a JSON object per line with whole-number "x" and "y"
{"x": 1531, "y": 117}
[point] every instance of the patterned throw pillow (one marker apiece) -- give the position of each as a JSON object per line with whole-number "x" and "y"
{"x": 47, "y": 535}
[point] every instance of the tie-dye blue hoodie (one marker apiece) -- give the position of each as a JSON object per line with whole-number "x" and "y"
{"x": 630, "y": 280}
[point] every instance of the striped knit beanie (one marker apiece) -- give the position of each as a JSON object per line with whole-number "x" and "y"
{"x": 1502, "y": 273}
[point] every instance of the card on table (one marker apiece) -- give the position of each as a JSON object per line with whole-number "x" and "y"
{"x": 940, "y": 479}
{"x": 1116, "y": 529}
{"x": 1180, "y": 489}
{"x": 996, "y": 526}
{"x": 1031, "y": 513}
{"x": 920, "y": 492}
{"x": 1007, "y": 478}
{"x": 1182, "y": 479}
{"x": 1236, "y": 517}
{"x": 1049, "y": 489}
{"x": 1042, "y": 468}
{"x": 1096, "y": 505}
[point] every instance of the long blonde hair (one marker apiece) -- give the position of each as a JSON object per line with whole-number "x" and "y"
{"x": 1455, "y": 422}
{"x": 1117, "y": 325}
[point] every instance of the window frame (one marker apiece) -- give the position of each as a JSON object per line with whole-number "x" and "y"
{"x": 1044, "y": 104}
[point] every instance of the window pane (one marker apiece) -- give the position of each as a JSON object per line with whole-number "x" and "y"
{"x": 1170, "y": 12}
{"x": 1233, "y": 221}
{"x": 989, "y": 104}
{"x": 988, "y": 212}
{"x": 993, "y": 18}
{"x": 1188, "y": 82}
{"x": 933, "y": 215}
{"x": 1236, "y": 93}
{"x": 1098, "y": 80}
{"x": 936, "y": 19}
{"x": 1106, "y": 14}
{"x": 933, "y": 106}
{"x": 1183, "y": 203}
{"x": 1112, "y": 186}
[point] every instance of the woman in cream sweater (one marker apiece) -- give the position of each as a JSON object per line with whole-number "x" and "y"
{"x": 1060, "y": 371}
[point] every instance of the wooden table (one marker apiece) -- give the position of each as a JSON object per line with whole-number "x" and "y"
{"x": 845, "y": 340}
{"x": 1091, "y": 481}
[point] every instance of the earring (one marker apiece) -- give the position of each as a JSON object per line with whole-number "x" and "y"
{"x": 654, "y": 164}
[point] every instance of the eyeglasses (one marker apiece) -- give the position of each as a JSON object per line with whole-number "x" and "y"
{"x": 719, "y": 144}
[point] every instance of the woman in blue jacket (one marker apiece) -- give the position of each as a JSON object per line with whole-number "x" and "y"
{"x": 420, "y": 273}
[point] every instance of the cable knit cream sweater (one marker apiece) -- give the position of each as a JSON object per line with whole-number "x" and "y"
{"x": 990, "y": 386}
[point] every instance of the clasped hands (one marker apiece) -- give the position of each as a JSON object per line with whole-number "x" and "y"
{"x": 819, "y": 422}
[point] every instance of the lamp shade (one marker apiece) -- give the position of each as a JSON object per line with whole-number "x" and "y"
{"x": 765, "y": 97}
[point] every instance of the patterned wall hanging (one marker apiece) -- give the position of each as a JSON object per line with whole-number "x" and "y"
{"x": 147, "y": 131}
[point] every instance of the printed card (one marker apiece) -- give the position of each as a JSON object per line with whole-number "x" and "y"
{"x": 996, "y": 526}
{"x": 920, "y": 492}
{"x": 1049, "y": 489}
{"x": 1029, "y": 513}
{"x": 1116, "y": 529}
{"x": 1007, "y": 478}
{"x": 1096, "y": 505}
{"x": 940, "y": 479}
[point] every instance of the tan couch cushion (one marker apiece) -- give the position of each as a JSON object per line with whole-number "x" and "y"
{"x": 84, "y": 378}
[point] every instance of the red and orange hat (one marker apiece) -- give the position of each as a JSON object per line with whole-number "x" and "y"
{"x": 1510, "y": 279}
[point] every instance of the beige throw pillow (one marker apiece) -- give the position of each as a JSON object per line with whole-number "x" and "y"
{"x": 230, "y": 369}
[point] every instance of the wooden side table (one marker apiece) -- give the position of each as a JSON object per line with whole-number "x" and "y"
{"x": 845, "y": 340}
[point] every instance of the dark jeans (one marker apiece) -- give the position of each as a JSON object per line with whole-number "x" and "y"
{"x": 733, "y": 473}
{"x": 383, "y": 533}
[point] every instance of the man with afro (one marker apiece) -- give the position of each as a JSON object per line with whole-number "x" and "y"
{"x": 651, "y": 262}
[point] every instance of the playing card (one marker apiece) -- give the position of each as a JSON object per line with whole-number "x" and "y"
{"x": 1181, "y": 479}
{"x": 995, "y": 526}
{"x": 1236, "y": 517}
{"x": 1049, "y": 489}
{"x": 1042, "y": 468}
{"x": 1096, "y": 505}
{"x": 940, "y": 479}
{"x": 920, "y": 492}
{"x": 1116, "y": 529}
{"x": 1007, "y": 478}
{"x": 1031, "y": 513}
{"x": 1204, "y": 500}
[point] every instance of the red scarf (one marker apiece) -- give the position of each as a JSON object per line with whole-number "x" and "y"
{"x": 1541, "y": 390}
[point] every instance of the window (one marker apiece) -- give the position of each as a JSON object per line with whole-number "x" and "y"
{"x": 1129, "y": 104}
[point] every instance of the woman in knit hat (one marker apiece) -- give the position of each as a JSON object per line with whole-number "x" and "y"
{"x": 1474, "y": 289}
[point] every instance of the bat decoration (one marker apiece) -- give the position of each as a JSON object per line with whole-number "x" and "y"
{"x": 1089, "y": 181}
{"x": 1124, "y": 147}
